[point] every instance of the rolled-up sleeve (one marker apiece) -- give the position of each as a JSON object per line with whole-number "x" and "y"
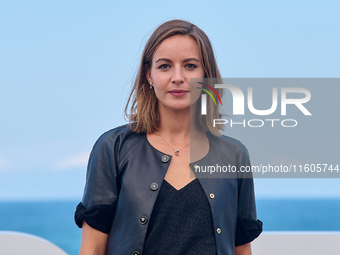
{"x": 101, "y": 189}
{"x": 248, "y": 227}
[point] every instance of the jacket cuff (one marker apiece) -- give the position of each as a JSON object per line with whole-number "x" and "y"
{"x": 99, "y": 217}
{"x": 247, "y": 230}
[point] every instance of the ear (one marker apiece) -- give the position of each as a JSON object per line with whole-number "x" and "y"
{"x": 148, "y": 73}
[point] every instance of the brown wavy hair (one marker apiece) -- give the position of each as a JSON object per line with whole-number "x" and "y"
{"x": 143, "y": 114}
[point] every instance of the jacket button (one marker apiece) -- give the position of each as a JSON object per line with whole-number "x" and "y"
{"x": 136, "y": 253}
{"x": 154, "y": 186}
{"x": 212, "y": 195}
{"x": 165, "y": 158}
{"x": 143, "y": 220}
{"x": 218, "y": 230}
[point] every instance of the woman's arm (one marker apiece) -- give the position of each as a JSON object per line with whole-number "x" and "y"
{"x": 93, "y": 241}
{"x": 244, "y": 249}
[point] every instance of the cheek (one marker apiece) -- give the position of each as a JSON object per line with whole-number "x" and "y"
{"x": 157, "y": 94}
{"x": 195, "y": 93}
{"x": 195, "y": 97}
{"x": 199, "y": 74}
{"x": 159, "y": 89}
{"x": 161, "y": 83}
{"x": 202, "y": 73}
{"x": 160, "y": 78}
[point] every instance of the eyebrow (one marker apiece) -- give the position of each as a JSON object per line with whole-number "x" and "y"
{"x": 168, "y": 60}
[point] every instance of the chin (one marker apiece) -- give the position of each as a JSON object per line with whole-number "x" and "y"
{"x": 177, "y": 107}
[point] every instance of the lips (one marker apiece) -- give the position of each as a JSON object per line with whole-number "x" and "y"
{"x": 178, "y": 92}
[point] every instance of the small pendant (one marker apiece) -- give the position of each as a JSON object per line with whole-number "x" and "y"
{"x": 176, "y": 152}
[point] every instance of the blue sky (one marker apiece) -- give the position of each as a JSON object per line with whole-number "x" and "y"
{"x": 67, "y": 67}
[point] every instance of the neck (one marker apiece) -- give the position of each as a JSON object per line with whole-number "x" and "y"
{"x": 177, "y": 124}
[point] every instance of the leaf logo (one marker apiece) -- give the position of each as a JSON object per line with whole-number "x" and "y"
{"x": 209, "y": 93}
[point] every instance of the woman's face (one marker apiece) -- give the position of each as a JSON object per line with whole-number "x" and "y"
{"x": 174, "y": 63}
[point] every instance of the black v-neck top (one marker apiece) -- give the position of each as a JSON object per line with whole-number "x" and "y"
{"x": 181, "y": 222}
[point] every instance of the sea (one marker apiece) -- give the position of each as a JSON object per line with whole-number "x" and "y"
{"x": 54, "y": 220}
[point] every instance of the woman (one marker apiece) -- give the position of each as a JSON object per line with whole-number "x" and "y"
{"x": 142, "y": 195}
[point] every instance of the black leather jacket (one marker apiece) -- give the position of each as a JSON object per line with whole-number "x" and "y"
{"x": 124, "y": 176}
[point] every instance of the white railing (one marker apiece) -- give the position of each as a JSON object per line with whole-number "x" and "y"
{"x": 297, "y": 243}
{"x": 268, "y": 243}
{"x": 17, "y": 243}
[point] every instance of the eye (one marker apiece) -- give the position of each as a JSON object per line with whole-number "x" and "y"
{"x": 164, "y": 66}
{"x": 190, "y": 66}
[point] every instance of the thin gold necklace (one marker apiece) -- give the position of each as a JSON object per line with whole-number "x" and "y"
{"x": 176, "y": 152}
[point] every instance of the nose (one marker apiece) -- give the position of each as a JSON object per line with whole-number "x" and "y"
{"x": 177, "y": 76}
